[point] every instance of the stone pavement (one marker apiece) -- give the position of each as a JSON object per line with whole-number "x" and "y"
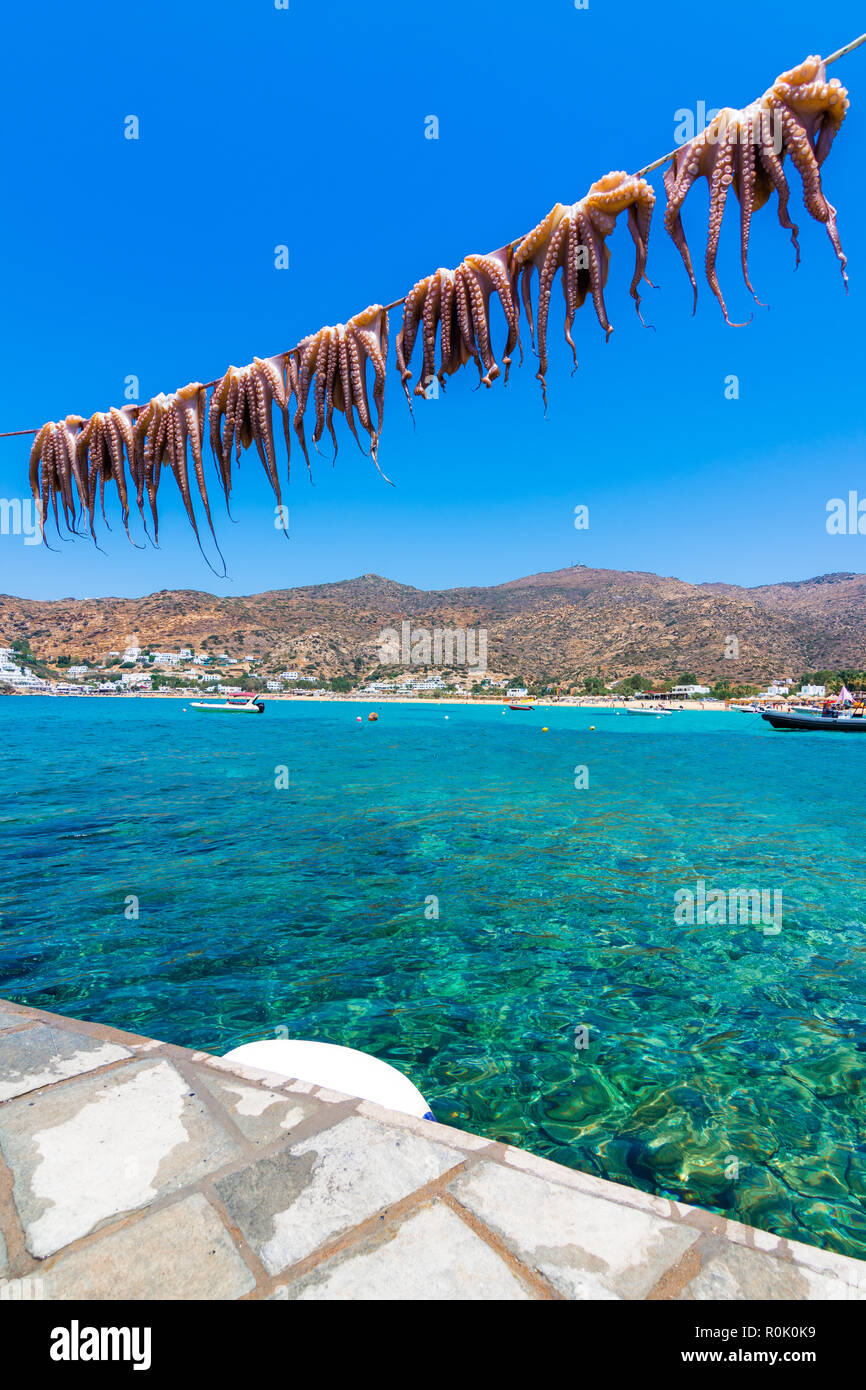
{"x": 135, "y": 1169}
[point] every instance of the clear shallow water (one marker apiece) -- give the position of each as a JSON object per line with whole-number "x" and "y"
{"x": 305, "y": 909}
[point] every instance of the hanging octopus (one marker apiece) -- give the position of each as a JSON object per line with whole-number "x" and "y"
{"x": 334, "y": 362}
{"x": 102, "y": 443}
{"x": 573, "y": 239}
{"x": 54, "y": 467}
{"x": 457, "y": 302}
{"x": 799, "y": 115}
{"x": 161, "y": 433}
{"x": 241, "y": 411}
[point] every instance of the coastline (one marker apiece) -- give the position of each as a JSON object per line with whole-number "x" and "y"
{"x": 333, "y": 697}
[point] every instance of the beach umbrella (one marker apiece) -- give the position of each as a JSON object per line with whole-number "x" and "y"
{"x": 845, "y": 696}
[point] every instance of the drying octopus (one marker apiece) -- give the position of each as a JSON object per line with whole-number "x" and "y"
{"x": 164, "y": 428}
{"x": 573, "y": 239}
{"x": 799, "y": 115}
{"x": 54, "y": 468}
{"x": 241, "y": 411}
{"x": 103, "y": 441}
{"x": 333, "y": 362}
{"x": 457, "y": 302}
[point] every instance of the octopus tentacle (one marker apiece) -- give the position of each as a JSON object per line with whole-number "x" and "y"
{"x": 721, "y": 179}
{"x": 772, "y": 167}
{"x": 453, "y": 352}
{"x": 413, "y": 308}
{"x": 343, "y": 397}
{"x": 430, "y": 321}
{"x": 746, "y": 189}
{"x": 330, "y": 381}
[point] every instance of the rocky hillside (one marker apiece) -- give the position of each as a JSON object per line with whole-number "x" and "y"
{"x": 564, "y": 625}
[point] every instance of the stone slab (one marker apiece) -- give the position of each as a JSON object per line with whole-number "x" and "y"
{"x": 93, "y": 1149}
{"x": 433, "y": 1254}
{"x": 42, "y": 1055}
{"x": 733, "y": 1273}
{"x": 10, "y": 1020}
{"x": 289, "y": 1205}
{"x": 180, "y": 1252}
{"x": 262, "y": 1115}
{"x": 585, "y": 1247}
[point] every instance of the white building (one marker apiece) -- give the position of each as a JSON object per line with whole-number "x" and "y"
{"x": 77, "y": 670}
{"x": 274, "y": 685}
{"x": 813, "y": 692}
{"x": 13, "y": 674}
{"x": 517, "y": 692}
{"x": 132, "y": 654}
{"x": 691, "y": 690}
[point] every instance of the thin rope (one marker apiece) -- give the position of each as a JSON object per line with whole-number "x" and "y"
{"x": 395, "y": 304}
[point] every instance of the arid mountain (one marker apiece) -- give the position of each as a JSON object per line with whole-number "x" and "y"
{"x": 564, "y": 625}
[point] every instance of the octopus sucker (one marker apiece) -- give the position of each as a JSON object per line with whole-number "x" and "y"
{"x": 457, "y": 304}
{"x": 800, "y": 115}
{"x": 572, "y": 239}
{"x": 241, "y": 413}
{"x": 167, "y": 428}
{"x": 332, "y": 363}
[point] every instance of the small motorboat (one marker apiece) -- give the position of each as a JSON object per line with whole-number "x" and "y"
{"x": 235, "y": 704}
{"x": 818, "y": 723}
{"x": 520, "y": 705}
{"x": 657, "y": 710}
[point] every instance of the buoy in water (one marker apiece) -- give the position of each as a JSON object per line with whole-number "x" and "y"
{"x": 339, "y": 1068}
{"x": 372, "y": 715}
{"x": 545, "y": 730}
{"x": 358, "y": 719}
{"x": 591, "y": 727}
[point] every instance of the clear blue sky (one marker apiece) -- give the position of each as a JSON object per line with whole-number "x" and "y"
{"x": 261, "y": 126}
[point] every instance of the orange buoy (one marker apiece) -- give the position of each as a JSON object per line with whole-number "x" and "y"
{"x": 372, "y": 715}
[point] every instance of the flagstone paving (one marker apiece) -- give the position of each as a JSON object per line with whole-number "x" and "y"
{"x": 133, "y": 1169}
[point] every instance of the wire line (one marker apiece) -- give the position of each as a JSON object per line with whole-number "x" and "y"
{"x": 639, "y": 173}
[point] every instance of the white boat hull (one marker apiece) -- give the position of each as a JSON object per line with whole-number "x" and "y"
{"x": 250, "y": 708}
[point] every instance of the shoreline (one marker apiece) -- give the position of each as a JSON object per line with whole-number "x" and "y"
{"x": 333, "y": 697}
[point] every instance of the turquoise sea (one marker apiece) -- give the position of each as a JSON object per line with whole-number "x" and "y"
{"x": 438, "y": 891}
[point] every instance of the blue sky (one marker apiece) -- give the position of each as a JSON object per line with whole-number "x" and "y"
{"x": 305, "y": 127}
